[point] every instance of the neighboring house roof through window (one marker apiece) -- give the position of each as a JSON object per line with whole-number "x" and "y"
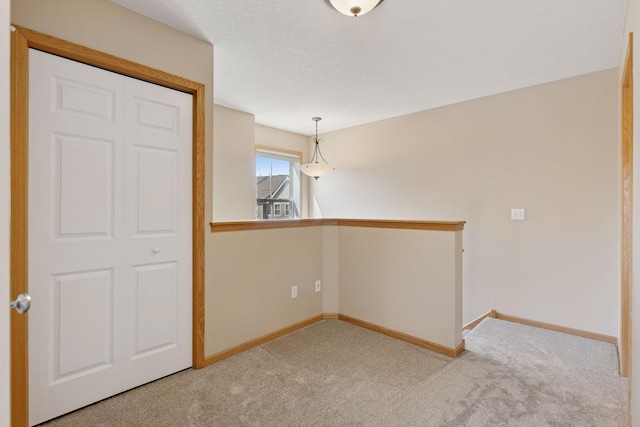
{"x": 272, "y": 187}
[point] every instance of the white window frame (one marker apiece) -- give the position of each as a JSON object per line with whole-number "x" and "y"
{"x": 287, "y": 155}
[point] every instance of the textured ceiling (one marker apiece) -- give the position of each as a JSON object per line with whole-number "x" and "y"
{"x": 286, "y": 61}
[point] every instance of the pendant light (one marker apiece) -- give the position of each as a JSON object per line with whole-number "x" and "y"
{"x": 353, "y": 7}
{"x": 314, "y": 168}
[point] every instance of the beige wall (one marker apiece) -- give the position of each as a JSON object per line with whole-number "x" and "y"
{"x": 248, "y": 292}
{"x": 330, "y": 269}
{"x": 405, "y": 280}
{"x": 4, "y": 212}
{"x": 632, "y": 24}
{"x": 234, "y": 165}
{"x": 551, "y": 149}
{"x": 234, "y": 162}
{"x": 249, "y": 276}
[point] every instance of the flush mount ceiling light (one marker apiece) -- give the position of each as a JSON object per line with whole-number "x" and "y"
{"x": 314, "y": 168}
{"x": 353, "y": 7}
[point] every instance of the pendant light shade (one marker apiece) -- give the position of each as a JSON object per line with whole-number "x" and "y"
{"x": 354, "y": 7}
{"x": 315, "y": 168}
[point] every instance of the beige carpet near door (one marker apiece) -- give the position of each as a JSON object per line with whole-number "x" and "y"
{"x": 335, "y": 374}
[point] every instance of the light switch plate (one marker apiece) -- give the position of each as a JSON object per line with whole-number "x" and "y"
{"x": 517, "y": 214}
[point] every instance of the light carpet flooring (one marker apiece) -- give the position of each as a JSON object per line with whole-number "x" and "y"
{"x": 335, "y": 374}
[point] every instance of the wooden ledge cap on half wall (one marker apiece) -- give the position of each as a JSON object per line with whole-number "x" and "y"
{"x": 219, "y": 227}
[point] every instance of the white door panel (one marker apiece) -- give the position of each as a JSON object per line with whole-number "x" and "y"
{"x": 84, "y": 206}
{"x": 157, "y": 232}
{"x": 154, "y": 291}
{"x": 109, "y": 234}
{"x": 155, "y": 191}
{"x": 74, "y": 250}
{"x": 62, "y": 370}
{"x": 83, "y": 99}
{"x": 82, "y": 346}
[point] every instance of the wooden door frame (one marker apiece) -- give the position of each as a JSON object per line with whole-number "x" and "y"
{"x": 21, "y": 40}
{"x": 626, "y": 211}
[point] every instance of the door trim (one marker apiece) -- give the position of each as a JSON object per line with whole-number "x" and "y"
{"x": 21, "y": 40}
{"x": 626, "y": 211}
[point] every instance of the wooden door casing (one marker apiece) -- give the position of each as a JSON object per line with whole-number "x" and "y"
{"x": 21, "y": 40}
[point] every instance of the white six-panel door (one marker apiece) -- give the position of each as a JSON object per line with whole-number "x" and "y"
{"x": 110, "y": 268}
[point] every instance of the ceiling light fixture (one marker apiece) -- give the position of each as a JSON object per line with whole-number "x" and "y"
{"x": 314, "y": 168}
{"x": 353, "y": 7}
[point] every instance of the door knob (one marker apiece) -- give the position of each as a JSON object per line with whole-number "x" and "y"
{"x": 156, "y": 250}
{"x": 22, "y": 304}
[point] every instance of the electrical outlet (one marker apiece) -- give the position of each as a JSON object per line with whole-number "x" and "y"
{"x": 517, "y": 214}
{"x": 318, "y": 285}
{"x": 294, "y": 292}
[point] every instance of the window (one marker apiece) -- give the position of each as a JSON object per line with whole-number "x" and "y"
{"x": 277, "y": 183}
